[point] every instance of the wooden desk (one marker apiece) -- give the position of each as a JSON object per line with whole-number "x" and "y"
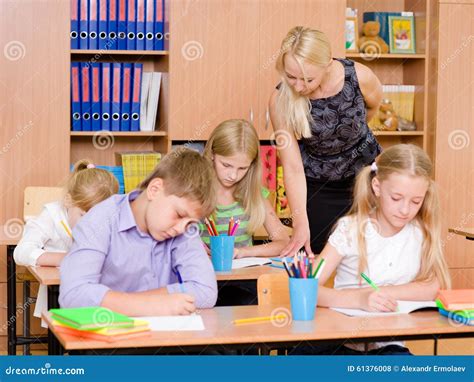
{"x": 329, "y": 326}
{"x": 468, "y": 233}
{"x": 250, "y": 273}
{"x": 261, "y": 234}
{"x": 48, "y": 276}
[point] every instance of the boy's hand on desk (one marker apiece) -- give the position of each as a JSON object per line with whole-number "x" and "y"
{"x": 176, "y": 304}
{"x": 378, "y": 301}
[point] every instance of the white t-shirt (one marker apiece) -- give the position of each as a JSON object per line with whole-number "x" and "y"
{"x": 43, "y": 233}
{"x": 393, "y": 260}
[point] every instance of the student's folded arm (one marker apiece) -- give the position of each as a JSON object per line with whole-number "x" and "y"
{"x": 340, "y": 298}
{"x": 35, "y": 236}
{"x": 81, "y": 269}
{"x": 414, "y": 291}
{"x": 199, "y": 279}
{"x": 330, "y": 297}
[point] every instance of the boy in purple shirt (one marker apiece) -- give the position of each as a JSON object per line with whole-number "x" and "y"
{"x": 129, "y": 249}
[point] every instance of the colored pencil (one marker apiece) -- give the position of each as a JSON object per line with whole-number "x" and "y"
{"x": 66, "y": 228}
{"x": 369, "y": 281}
{"x": 259, "y": 319}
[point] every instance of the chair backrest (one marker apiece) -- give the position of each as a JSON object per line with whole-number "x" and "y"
{"x": 272, "y": 289}
{"x": 36, "y": 197}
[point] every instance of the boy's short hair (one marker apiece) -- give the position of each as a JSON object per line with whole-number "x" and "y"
{"x": 186, "y": 173}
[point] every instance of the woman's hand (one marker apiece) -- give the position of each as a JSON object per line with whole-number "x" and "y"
{"x": 299, "y": 238}
{"x": 378, "y": 301}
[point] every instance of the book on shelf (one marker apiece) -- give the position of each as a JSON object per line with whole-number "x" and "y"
{"x": 150, "y": 92}
{"x": 282, "y": 206}
{"x": 137, "y": 165}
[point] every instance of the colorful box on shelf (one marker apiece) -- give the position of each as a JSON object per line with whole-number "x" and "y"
{"x": 117, "y": 171}
{"x": 137, "y": 165}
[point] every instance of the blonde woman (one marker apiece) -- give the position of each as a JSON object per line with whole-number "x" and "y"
{"x": 392, "y": 234}
{"x": 325, "y": 103}
{"x": 234, "y": 149}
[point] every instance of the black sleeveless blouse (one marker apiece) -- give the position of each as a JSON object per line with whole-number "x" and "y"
{"x": 341, "y": 142}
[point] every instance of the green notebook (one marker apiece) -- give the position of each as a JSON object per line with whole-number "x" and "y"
{"x": 467, "y": 313}
{"x": 91, "y": 318}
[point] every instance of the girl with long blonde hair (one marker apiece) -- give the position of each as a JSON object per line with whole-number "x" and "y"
{"x": 391, "y": 234}
{"x": 234, "y": 149}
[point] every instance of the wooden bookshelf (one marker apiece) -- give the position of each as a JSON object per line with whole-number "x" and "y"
{"x": 385, "y": 56}
{"x": 119, "y": 133}
{"x": 406, "y": 69}
{"x": 399, "y": 133}
{"x": 120, "y": 52}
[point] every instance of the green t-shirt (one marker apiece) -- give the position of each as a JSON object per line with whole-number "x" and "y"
{"x": 222, "y": 215}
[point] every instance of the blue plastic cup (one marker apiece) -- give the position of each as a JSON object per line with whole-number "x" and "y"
{"x": 303, "y": 298}
{"x": 222, "y": 252}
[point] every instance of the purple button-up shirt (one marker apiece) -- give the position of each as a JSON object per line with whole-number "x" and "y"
{"x": 110, "y": 253}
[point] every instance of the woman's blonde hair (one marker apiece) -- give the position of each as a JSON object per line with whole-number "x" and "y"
{"x": 306, "y": 46}
{"x": 89, "y": 185}
{"x": 412, "y": 161}
{"x": 186, "y": 174}
{"x": 233, "y": 137}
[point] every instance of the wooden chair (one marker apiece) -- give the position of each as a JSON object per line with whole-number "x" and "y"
{"x": 34, "y": 200}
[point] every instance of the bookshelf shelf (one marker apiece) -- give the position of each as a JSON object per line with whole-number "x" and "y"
{"x": 398, "y": 133}
{"x": 119, "y": 133}
{"x": 385, "y": 56}
{"x": 102, "y": 52}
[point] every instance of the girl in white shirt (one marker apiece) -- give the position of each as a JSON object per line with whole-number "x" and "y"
{"x": 392, "y": 234}
{"x": 47, "y": 238}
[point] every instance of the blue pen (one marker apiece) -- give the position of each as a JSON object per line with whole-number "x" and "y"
{"x": 180, "y": 281}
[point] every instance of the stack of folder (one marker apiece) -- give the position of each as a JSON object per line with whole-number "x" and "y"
{"x": 97, "y": 323}
{"x": 105, "y": 96}
{"x": 113, "y": 97}
{"x": 136, "y": 166}
{"x": 457, "y": 304}
{"x": 118, "y": 24}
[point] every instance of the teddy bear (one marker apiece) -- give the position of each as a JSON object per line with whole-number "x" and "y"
{"x": 387, "y": 116}
{"x": 371, "y": 42}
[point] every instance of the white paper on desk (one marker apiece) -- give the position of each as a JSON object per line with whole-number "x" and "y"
{"x": 249, "y": 262}
{"x": 404, "y": 307}
{"x": 174, "y": 323}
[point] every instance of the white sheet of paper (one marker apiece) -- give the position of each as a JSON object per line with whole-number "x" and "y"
{"x": 249, "y": 262}
{"x": 174, "y": 323}
{"x": 404, "y": 307}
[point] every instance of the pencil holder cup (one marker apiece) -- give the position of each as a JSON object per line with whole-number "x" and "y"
{"x": 303, "y": 298}
{"x": 222, "y": 252}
